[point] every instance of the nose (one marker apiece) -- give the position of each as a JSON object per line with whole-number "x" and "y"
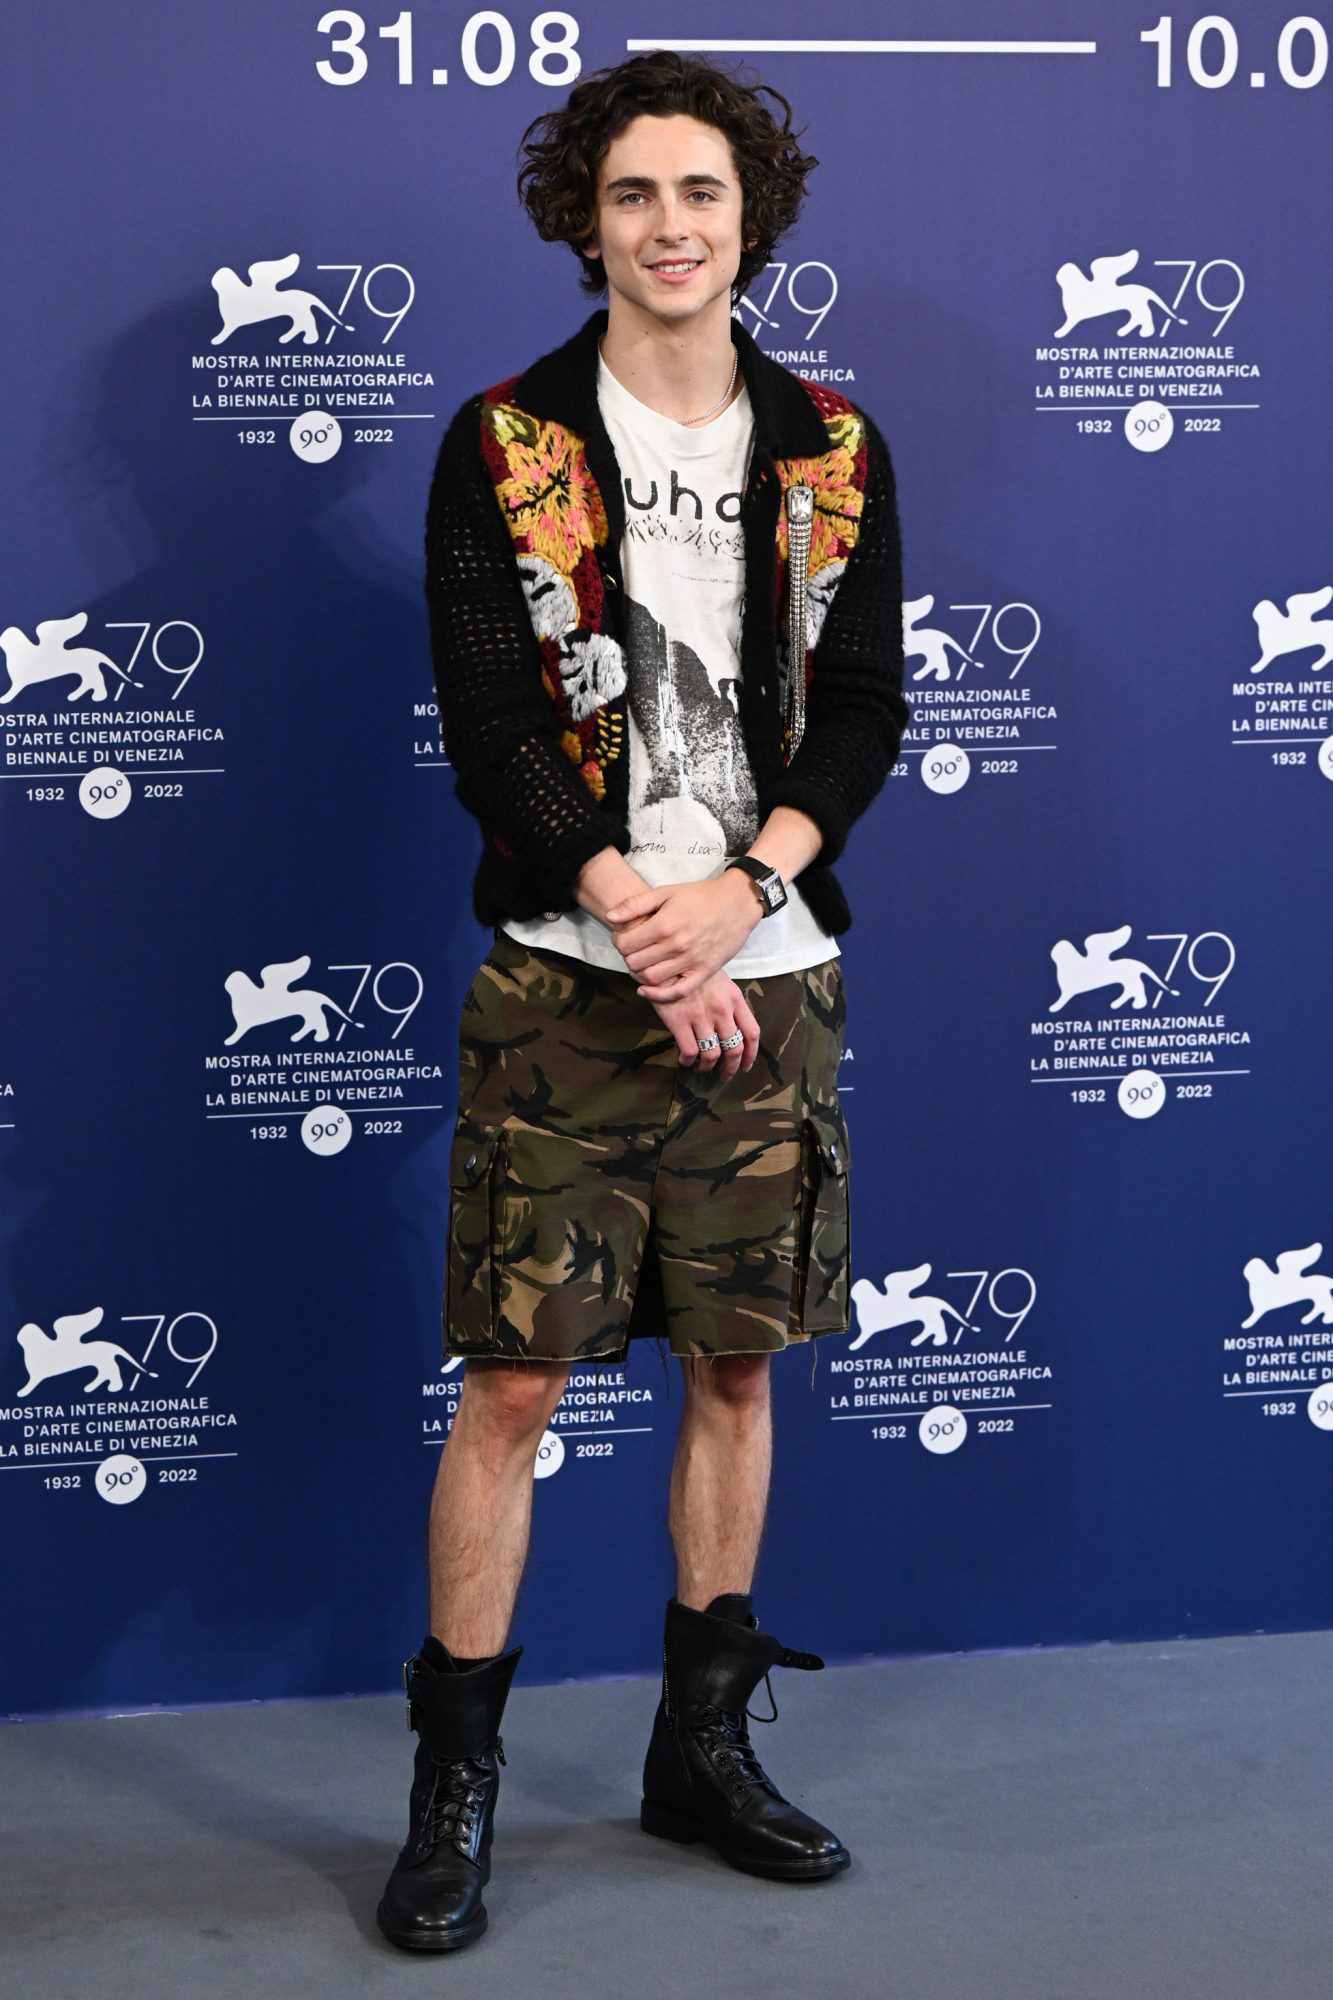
{"x": 672, "y": 230}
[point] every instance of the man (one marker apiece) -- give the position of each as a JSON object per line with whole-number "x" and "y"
{"x": 620, "y": 543}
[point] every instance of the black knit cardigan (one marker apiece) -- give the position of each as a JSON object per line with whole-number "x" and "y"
{"x": 501, "y": 733}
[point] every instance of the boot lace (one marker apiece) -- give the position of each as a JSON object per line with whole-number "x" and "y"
{"x": 456, "y": 1801}
{"x": 732, "y": 1753}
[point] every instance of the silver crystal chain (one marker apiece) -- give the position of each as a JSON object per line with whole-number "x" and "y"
{"x": 800, "y": 519}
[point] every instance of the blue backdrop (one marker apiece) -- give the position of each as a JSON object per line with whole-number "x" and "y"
{"x": 1080, "y": 283}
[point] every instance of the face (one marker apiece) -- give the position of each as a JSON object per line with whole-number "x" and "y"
{"x": 668, "y": 192}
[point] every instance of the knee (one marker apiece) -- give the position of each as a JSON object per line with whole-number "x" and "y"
{"x": 513, "y": 1400}
{"x": 737, "y": 1384}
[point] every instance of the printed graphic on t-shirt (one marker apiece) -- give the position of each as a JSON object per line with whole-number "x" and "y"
{"x": 689, "y": 520}
{"x": 692, "y": 791}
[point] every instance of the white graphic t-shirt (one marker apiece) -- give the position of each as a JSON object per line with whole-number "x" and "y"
{"x": 692, "y": 798}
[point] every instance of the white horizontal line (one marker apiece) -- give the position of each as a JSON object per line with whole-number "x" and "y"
{"x": 1268, "y": 742}
{"x": 1301, "y": 1389}
{"x": 81, "y": 1464}
{"x": 1181, "y": 403}
{"x": 1115, "y": 1076}
{"x": 271, "y": 1116}
{"x": 923, "y": 1409}
{"x": 767, "y": 45}
{"x": 135, "y": 770}
{"x": 398, "y": 417}
{"x": 623, "y": 1430}
{"x": 981, "y": 750}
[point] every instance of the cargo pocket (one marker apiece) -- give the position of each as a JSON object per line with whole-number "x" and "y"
{"x": 824, "y": 1277}
{"x": 473, "y": 1260}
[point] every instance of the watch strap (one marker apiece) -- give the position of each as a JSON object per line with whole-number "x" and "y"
{"x": 763, "y": 873}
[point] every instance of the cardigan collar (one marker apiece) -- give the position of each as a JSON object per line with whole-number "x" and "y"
{"x": 562, "y": 386}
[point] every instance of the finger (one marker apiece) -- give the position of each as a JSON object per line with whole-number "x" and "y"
{"x": 637, "y": 905}
{"x": 657, "y": 959}
{"x": 731, "y": 1058}
{"x": 684, "y": 1033}
{"x": 708, "y": 1057}
{"x": 672, "y": 981}
{"x": 683, "y": 989}
{"x": 638, "y": 918}
{"x": 749, "y": 1027}
{"x": 636, "y": 935}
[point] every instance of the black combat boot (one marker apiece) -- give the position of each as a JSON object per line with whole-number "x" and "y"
{"x": 432, "y": 1900}
{"x": 701, "y": 1778}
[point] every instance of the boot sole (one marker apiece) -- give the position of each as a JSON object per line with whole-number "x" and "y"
{"x": 669, "y": 1823}
{"x": 453, "y": 1940}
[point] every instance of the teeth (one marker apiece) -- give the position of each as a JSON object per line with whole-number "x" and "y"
{"x": 688, "y": 265}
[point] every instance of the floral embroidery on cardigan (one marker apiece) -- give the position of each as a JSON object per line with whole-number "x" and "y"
{"x": 556, "y": 517}
{"x": 550, "y": 499}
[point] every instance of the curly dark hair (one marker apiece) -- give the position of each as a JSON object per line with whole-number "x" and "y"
{"x": 557, "y": 181}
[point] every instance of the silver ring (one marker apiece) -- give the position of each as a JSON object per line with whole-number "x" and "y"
{"x": 707, "y": 1042}
{"x": 732, "y": 1041}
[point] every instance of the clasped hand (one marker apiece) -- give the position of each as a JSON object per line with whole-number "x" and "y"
{"x": 675, "y": 938}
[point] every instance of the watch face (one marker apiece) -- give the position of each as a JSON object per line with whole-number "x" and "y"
{"x": 770, "y": 886}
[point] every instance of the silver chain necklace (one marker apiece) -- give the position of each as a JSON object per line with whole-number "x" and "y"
{"x": 735, "y": 363}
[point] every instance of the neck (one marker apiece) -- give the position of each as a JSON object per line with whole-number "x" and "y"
{"x": 678, "y": 367}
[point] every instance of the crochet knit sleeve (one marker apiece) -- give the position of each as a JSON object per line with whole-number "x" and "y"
{"x": 855, "y": 712}
{"x": 499, "y": 726}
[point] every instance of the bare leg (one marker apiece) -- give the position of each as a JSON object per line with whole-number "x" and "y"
{"x": 720, "y": 1474}
{"x": 481, "y": 1509}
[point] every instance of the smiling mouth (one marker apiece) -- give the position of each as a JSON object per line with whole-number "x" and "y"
{"x": 677, "y": 265}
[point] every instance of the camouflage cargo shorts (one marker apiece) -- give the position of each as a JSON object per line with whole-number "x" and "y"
{"x": 603, "y": 1191}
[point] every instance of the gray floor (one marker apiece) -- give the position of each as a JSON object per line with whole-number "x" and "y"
{"x": 1088, "y": 1824}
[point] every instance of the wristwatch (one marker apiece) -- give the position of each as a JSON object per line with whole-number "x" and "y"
{"x": 772, "y": 890}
